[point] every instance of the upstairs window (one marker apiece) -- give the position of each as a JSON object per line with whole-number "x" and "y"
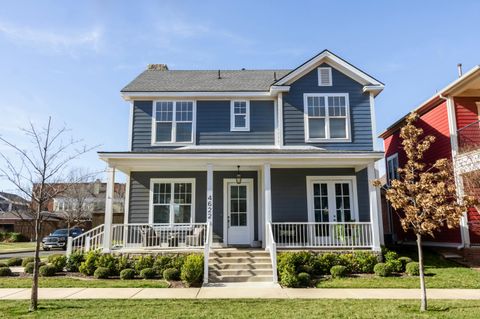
{"x": 392, "y": 168}
{"x": 326, "y": 117}
{"x": 324, "y": 76}
{"x": 173, "y": 122}
{"x": 240, "y": 116}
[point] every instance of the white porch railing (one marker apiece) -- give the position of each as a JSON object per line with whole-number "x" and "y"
{"x": 192, "y": 235}
{"x": 272, "y": 247}
{"x": 206, "y": 252}
{"x": 90, "y": 240}
{"x": 323, "y": 235}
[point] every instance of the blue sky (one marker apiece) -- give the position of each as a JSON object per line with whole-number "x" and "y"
{"x": 69, "y": 59}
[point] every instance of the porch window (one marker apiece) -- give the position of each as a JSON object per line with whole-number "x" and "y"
{"x": 172, "y": 202}
{"x": 392, "y": 168}
{"x": 173, "y": 121}
{"x": 326, "y": 117}
{"x": 240, "y": 116}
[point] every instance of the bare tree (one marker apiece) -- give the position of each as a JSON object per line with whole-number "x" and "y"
{"x": 424, "y": 194}
{"x": 38, "y": 173}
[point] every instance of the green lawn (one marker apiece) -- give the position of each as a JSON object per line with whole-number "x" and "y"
{"x": 9, "y": 247}
{"x": 240, "y": 309}
{"x": 68, "y": 282}
{"x": 440, "y": 273}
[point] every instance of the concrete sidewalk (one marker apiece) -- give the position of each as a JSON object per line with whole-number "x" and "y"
{"x": 235, "y": 293}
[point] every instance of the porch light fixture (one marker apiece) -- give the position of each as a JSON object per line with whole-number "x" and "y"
{"x": 239, "y": 176}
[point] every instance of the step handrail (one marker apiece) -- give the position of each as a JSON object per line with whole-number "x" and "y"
{"x": 273, "y": 252}
{"x": 80, "y": 242}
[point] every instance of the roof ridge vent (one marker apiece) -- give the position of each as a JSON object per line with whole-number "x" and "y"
{"x": 157, "y": 67}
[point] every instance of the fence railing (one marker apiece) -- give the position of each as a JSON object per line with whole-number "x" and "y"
{"x": 272, "y": 247}
{"x": 323, "y": 235}
{"x": 469, "y": 137}
{"x": 90, "y": 240}
{"x": 175, "y": 236}
{"x": 206, "y": 252}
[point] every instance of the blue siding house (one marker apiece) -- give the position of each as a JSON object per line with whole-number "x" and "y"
{"x": 274, "y": 159}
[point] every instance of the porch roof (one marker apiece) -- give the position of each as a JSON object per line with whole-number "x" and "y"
{"x": 226, "y": 159}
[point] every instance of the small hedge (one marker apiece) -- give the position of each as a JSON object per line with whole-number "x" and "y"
{"x": 338, "y": 271}
{"x": 412, "y": 269}
{"x": 304, "y": 279}
{"x": 5, "y": 272}
{"x": 395, "y": 265}
{"x": 127, "y": 274}
{"x": 29, "y": 267}
{"x": 58, "y": 261}
{"x": 74, "y": 261}
{"x": 89, "y": 265}
{"x": 171, "y": 274}
{"x": 382, "y": 270}
{"x": 27, "y": 260}
{"x": 143, "y": 262}
{"x": 14, "y": 261}
{"x": 405, "y": 261}
{"x": 47, "y": 271}
{"x": 101, "y": 273}
{"x": 148, "y": 273}
{"x": 109, "y": 262}
{"x": 192, "y": 270}
{"x": 390, "y": 255}
{"x": 2, "y": 264}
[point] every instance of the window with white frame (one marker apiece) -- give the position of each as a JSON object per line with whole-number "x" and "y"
{"x": 392, "y": 168}
{"x": 240, "y": 116}
{"x": 326, "y": 117}
{"x": 173, "y": 122}
{"x": 325, "y": 76}
{"x": 172, "y": 201}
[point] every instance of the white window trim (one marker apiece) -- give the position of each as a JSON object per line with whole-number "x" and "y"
{"x": 232, "y": 117}
{"x": 327, "y": 138}
{"x": 171, "y": 180}
{"x": 329, "y": 75}
{"x": 352, "y": 180}
{"x": 174, "y": 124}
{"x": 389, "y": 159}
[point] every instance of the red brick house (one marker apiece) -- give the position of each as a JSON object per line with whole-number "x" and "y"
{"x": 452, "y": 116}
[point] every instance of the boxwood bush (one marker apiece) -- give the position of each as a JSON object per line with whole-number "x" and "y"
{"x": 148, "y": 273}
{"x": 395, "y": 265}
{"x": 304, "y": 279}
{"x": 27, "y": 260}
{"x": 109, "y": 262}
{"x": 412, "y": 269}
{"x": 338, "y": 271}
{"x": 192, "y": 269}
{"x": 5, "y": 272}
{"x": 89, "y": 265}
{"x": 29, "y": 267}
{"x": 171, "y": 274}
{"x": 58, "y": 261}
{"x": 101, "y": 273}
{"x": 47, "y": 271}
{"x": 127, "y": 274}
{"x": 405, "y": 261}
{"x": 14, "y": 261}
{"x": 74, "y": 261}
{"x": 142, "y": 262}
{"x": 382, "y": 270}
{"x": 2, "y": 264}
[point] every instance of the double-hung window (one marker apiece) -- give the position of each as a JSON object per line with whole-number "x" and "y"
{"x": 172, "y": 201}
{"x": 174, "y": 122}
{"x": 326, "y": 117}
{"x": 240, "y": 116}
{"x": 392, "y": 168}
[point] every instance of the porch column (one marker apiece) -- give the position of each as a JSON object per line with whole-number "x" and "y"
{"x": 107, "y": 232}
{"x": 374, "y": 209}
{"x": 210, "y": 193}
{"x": 267, "y": 196}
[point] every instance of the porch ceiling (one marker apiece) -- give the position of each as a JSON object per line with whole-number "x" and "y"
{"x": 174, "y": 161}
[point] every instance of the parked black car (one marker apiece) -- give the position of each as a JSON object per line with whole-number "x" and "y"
{"x": 58, "y": 239}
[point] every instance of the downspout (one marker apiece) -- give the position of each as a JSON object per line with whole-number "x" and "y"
{"x": 462, "y": 245}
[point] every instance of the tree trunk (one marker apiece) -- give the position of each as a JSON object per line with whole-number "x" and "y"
{"x": 34, "y": 295}
{"x": 423, "y": 304}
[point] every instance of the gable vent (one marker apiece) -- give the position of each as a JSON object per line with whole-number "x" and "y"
{"x": 325, "y": 76}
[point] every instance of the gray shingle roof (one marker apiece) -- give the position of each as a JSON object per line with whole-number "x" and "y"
{"x": 203, "y": 80}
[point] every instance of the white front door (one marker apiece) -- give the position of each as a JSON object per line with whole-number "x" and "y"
{"x": 239, "y": 212}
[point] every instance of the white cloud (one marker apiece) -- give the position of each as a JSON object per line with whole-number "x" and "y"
{"x": 53, "y": 40}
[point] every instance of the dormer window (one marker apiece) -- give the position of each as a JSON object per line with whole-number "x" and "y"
{"x": 173, "y": 122}
{"x": 240, "y": 116}
{"x": 325, "y": 76}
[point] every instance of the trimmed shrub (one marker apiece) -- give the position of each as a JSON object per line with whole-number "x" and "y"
{"x": 2, "y": 264}
{"x": 405, "y": 261}
{"x": 178, "y": 261}
{"x": 27, "y": 260}
{"x": 14, "y": 261}
{"x": 390, "y": 255}
{"x": 47, "y": 271}
{"x": 324, "y": 262}
{"x": 349, "y": 262}
{"x": 29, "y": 267}
{"x": 192, "y": 269}
{"x": 304, "y": 279}
{"x": 365, "y": 261}
{"x": 171, "y": 274}
{"x": 338, "y": 271}
{"x": 143, "y": 262}
{"x": 412, "y": 269}
{"x": 16, "y": 238}
{"x": 289, "y": 278}
{"x": 382, "y": 270}
{"x": 123, "y": 262}
{"x": 89, "y": 265}
{"x": 107, "y": 261}
{"x": 101, "y": 273}
{"x": 162, "y": 263}
{"x": 58, "y": 261}
{"x": 395, "y": 265}
{"x": 74, "y": 261}
{"x": 127, "y": 274}
{"x": 5, "y": 272}
{"x": 148, "y": 273}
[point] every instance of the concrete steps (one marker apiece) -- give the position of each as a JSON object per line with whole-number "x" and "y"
{"x": 239, "y": 265}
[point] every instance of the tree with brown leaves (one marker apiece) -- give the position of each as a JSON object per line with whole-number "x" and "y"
{"x": 424, "y": 194}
